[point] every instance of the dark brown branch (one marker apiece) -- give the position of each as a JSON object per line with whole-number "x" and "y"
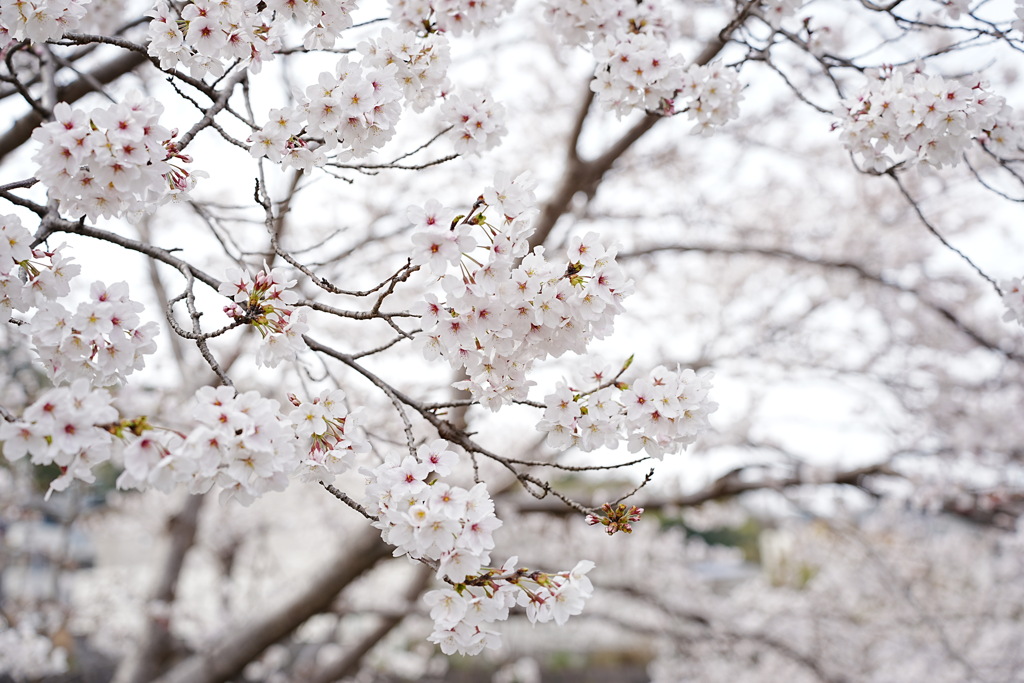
{"x": 153, "y": 652}
{"x": 225, "y": 658}
{"x": 348, "y": 665}
{"x": 585, "y": 176}
{"x": 731, "y": 484}
{"x": 21, "y": 130}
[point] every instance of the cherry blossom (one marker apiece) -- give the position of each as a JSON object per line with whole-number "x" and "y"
{"x": 1013, "y": 299}
{"x": 903, "y": 116}
{"x": 39, "y": 20}
{"x": 111, "y": 161}
{"x": 265, "y": 302}
{"x": 477, "y": 122}
{"x": 502, "y": 315}
{"x": 660, "y": 413}
{"x": 333, "y": 435}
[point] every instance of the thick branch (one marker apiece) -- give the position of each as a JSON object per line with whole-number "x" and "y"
{"x": 226, "y": 658}
{"x": 731, "y": 484}
{"x": 21, "y": 130}
{"x": 348, "y": 665}
{"x": 585, "y": 176}
{"x": 155, "y": 649}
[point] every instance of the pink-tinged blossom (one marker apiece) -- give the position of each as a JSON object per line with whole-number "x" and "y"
{"x": 660, "y": 413}
{"x": 508, "y": 307}
{"x": 206, "y": 37}
{"x": 102, "y": 341}
{"x": 904, "y": 116}
{"x": 449, "y": 16}
{"x": 111, "y": 161}
{"x": 349, "y": 112}
{"x": 40, "y": 20}
{"x": 1013, "y": 299}
{"x": 67, "y": 427}
{"x": 265, "y": 301}
{"x": 477, "y": 122}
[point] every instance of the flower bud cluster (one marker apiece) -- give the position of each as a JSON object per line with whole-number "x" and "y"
{"x": 66, "y": 426}
{"x": 661, "y": 413}
{"x": 241, "y": 443}
{"x": 616, "y": 519}
{"x": 208, "y": 34}
{"x": 428, "y": 519}
{"x": 103, "y": 341}
{"x": 903, "y": 116}
{"x": 110, "y": 161}
{"x": 351, "y": 111}
{"x": 502, "y": 314}
{"x": 265, "y": 302}
{"x": 1013, "y": 299}
{"x": 38, "y": 20}
{"x": 451, "y": 16}
{"x": 332, "y": 433}
{"x": 29, "y": 277}
{"x": 462, "y": 615}
{"x": 478, "y": 124}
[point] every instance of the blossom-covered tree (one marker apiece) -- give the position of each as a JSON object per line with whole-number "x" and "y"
{"x": 471, "y": 282}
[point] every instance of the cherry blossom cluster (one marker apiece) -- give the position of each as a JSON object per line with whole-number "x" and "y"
{"x": 351, "y": 111}
{"x": 110, "y": 161}
{"x": 508, "y": 308}
{"x": 433, "y": 521}
{"x": 38, "y": 20}
{"x": 777, "y": 11}
{"x": 904, "y": 116}
{"x": 29, "y": 277}
{"x": 240, "y": 443}
{"x": 1013, "y": 299}
{"x": 635, "y": 65}
{"x": 476, "y": 122}
{"x": 265, "y": 302}
{"x": 103, "y": 341}
{"x": 105, "y": 16}
{"x": 67, "y": 426}
{"x": 428, "y": 519}
{"x": 588, "y": 22}
{"x": 422, "y": 63}
{"x": 711, "y": 96}
{"x": 28, "y": 655}
{"x": 451, "y": 16}
{"x": 462, "y": 615}
{"x": 637, "y": 72}
{"x": 205, "y": 35}
{"x": 660, "y": 413}
{"x": 332, "y": 433}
